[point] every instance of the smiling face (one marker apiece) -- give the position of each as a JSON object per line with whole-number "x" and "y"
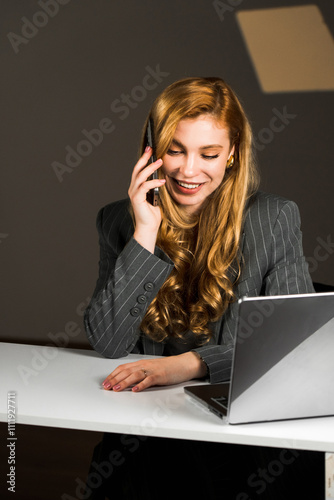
{"x": 195, "y": 163}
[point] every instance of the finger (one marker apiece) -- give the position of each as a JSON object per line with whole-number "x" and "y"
{"x": 122, "y": 373}
{"x": 144, "y": 384}
{"x": 115, "y": 377}
{"x": 140, "y": 176}
{"x": 142, "y": 162}
{"x": 132, "y": 379}
{"x": 142, "y": 191}
{"x": 139, "y": 188}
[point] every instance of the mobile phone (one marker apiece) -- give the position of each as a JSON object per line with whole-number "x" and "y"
{"x": 153, "y": 194}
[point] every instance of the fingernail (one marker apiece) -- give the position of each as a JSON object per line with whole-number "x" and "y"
{"x": 106, "y": 385}
{"x": 147, "y": 149}
{"x": 162, "y": 181}
{"x": 116, "y": 387}
{"x": 135, "y": 389}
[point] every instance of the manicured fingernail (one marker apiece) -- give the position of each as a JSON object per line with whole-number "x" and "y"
{"x": 135, "y": 389}
{"x": 162, "y": 181}
{"x": 147, "y": 149}
{"x": 116, "y": 387}
{"x": 106, "y": 385}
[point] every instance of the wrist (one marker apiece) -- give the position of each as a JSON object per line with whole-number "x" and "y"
{"x": 201, "y": 368}
{"x": 146, "y": 239}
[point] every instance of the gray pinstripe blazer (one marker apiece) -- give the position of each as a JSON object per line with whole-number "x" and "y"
{"x": 130, "y": 277}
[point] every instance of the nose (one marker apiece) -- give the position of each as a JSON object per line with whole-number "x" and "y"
{"x": 189, "y": 167}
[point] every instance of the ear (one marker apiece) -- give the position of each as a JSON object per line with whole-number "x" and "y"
{"x": 232, "y": 151}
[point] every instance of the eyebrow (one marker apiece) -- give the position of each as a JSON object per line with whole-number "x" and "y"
{"x": 210, "y": 146}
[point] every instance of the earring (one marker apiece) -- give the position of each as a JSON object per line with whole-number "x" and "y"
{"x": 230, "y": 162}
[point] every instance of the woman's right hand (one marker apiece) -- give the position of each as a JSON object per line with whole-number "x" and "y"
{"x": 148, "y": 217}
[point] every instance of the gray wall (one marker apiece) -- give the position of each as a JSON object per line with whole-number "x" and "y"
{"x": 66, "y": 77}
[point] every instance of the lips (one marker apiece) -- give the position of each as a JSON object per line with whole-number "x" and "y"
{"x": 187, "y": 187}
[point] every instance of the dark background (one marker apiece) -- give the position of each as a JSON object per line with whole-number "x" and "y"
{"x": 65, "y": 79}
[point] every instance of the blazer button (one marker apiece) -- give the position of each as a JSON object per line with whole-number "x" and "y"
{"x": 141, "y": 299}
{"x": 149, "y": 286}
{"x": 135, "y": 311}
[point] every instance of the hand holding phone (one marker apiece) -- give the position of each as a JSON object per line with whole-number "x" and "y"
{"x": 145, "y": 201}
{"x": 153, "y": 194}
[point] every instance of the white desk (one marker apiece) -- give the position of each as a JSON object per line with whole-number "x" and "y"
{"x": 62, "y": 388}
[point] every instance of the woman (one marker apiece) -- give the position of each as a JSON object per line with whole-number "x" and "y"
{"x": 169, "y": 280}
{"x": 170, "y": 275}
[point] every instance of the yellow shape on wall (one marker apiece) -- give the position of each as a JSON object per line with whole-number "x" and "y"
{"x": 291, "y": 48}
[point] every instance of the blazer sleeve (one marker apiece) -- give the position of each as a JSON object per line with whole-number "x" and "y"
{"x": 274, "y": 265}
{"x": 287, "y": 269}
{"x": 129, "y": 279}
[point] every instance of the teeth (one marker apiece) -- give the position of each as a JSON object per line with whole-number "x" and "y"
{"x": 188, "y": 186}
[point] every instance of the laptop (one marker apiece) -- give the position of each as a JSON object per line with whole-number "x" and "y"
{"x": 283, "y": 361}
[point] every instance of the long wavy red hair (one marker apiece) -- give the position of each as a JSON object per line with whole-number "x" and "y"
{"x": 204, "y": 247}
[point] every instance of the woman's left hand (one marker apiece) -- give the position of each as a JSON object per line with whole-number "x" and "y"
{"x": 162, "y": 371}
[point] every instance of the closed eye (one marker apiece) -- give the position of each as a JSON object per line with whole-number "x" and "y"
{"x": 174, "y": 152}
{"x": 208, "y": 157}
